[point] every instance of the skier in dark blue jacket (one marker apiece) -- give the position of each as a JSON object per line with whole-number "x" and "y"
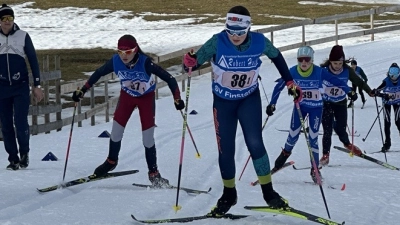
{"x": 391, "y": 87}
{"x": 15, "y": 46}
{"x": 311, "y": 79}
{"x": 135, "y": 70}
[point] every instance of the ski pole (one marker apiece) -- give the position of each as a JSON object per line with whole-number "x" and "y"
{"x": 352, "y": 125}
{"x": 263, "y": 90}
{"x": 248, "y": 159}
{"x": 380, "y": 125}
{"x": 176, "y": 206}
{"x": 69, "y": 142}
{"x": 372, "y": 125}
{"x": 191, "y": 136}
{"x": 312, "y": 157}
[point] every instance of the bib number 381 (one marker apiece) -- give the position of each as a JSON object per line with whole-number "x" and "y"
{"x": 237, "y": 80}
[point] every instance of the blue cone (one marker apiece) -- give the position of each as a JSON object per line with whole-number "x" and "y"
{"x": 105, "y": 134}
{"x": 50, "y": 157}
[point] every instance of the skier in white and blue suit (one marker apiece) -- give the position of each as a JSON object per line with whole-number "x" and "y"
{"x": 311, "y": 79}
{"x": 391, "y": 88}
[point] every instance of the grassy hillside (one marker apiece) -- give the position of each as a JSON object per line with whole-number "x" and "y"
{"x": 76, "y": 61}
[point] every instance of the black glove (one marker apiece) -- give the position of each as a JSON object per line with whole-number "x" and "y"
{"x": 374, "y": 92}
{"x": 78, "y": 94}
{"x": 270, "y": 110}
{"x": 352, "y": 95}
{"x": 179, "y": 104}
{"x": 385, "y": 96}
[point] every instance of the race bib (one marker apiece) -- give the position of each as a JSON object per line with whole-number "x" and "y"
{"x": 334, "y": 91}
{"x": 311, "y": 94}
{"x": 237, "y": 80}
{"x": 135, "y": 86}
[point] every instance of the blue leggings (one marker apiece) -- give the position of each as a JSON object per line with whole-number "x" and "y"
{"x": 248, "y": 112}
{"x": 314, "y": 121}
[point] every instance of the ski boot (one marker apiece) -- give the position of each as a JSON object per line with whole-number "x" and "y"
{"x": 157, "y": 181}
{"x": 227, "y": 200}
{"x": 13, "y": 166}
{"x": 24, "y": 162}
{"x": 107, "y": 166}
{"x": 386, "y": 147}
{"x": 353, "y": 149}
{"x": 272, "y": 198}
{"x": 324, "y": 161}
{"x": 314, "y": 176}
{"x": 281, "y": 160}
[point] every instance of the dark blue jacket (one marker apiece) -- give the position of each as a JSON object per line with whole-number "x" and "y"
{"x": 14, "y": 47}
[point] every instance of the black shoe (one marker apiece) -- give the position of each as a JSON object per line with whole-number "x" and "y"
{"x": 24, "y": 162}
{"x": 386, "y": 147}
{"x": 13, "y": 166}
{"x": 350, "y": 105}
{"x": 281, "y": 159}
{"x": 157, "y": 181}
{"x": 272, "y": 198}
{"x": 106, "y": 167}
{"x": 314, "y": 177}
{"x": 227, "y": 200}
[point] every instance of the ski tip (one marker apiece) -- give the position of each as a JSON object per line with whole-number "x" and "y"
{"x": 133, "y": 217}
{"x": 343, "y": 222}
{"x": 343, "y": 187}
{"x": 209, "y": 190}
{"x": 294, "y": 167}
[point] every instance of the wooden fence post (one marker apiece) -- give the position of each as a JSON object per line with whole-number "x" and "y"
{"x": 46, "y": 88}
{"x": 79, "y": 111}
{"x": 106, "y": 101}
{"x": 372, "y": 25}
{"x": 336, "y": 32}
{"x": 272, "y": 37}
{"x": 92, "y": 103}
{"x": 58, "y": 88}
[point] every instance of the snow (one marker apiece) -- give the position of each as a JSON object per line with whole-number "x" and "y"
{"x": 372, "y": 191}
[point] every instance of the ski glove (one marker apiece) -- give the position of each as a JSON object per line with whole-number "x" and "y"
{"x": 179, "y": 104}
{"x": 295, "y": 91}
{"x": 78, "y": 94}
{"x": 270, "y": 109}
{"x": 190, "y": 59}
{"x": 352, "y": 95}
{"x": 374, "y": 92}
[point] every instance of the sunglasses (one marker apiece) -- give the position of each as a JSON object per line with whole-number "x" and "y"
{"x": 301, "y": 59}
{"x": 7, "y": 18}
{"x": 237, "y": 32}
{"x": 126, "y": 52}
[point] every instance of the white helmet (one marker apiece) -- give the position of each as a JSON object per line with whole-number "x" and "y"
{"x": 394, "y": 72}
{"x": 305, "y": 51}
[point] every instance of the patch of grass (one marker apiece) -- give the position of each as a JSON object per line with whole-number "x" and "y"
{"x": 76, "y": 61}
